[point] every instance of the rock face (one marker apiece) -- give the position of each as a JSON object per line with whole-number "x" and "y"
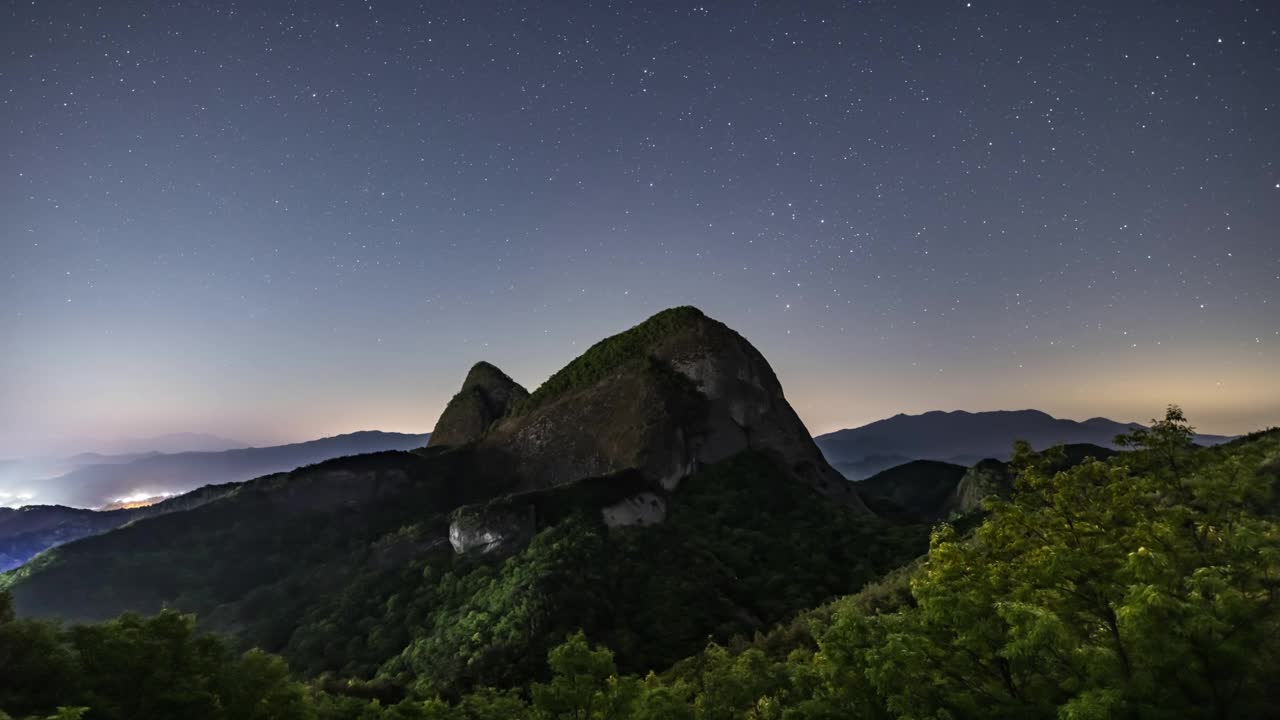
{"x": 643, "y": 509}
{"x": 992, "y": 477}
{"x": 485, "y": 529}
{"x": 676, "y": 392}
{"x": 988, "y": 477}
{"x": 486, "y": 395}
{"x": 618, "y": 428}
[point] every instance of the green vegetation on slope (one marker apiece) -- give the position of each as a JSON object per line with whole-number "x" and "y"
{"x": 486, "y": 395}
{"x": 373, "y": 591}
{"x": 250, "y": 562}
{"x": 1143, "y": 586}
{"x": 133, "y": 667}
{"x": 609, "y": 354}
{"x": 716, "y": 567}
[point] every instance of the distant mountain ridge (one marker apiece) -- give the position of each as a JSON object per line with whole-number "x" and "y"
{"x": 152, "y": 474}
{"x": 172, "y": 443}
{"x": 964, "y": 437}
{"x": 932, "y": 490}
{"x": 31, "y": 529}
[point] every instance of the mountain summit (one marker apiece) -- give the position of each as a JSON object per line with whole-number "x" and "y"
{"x": 486, "y": 395}
{"x": 672, "y": 394}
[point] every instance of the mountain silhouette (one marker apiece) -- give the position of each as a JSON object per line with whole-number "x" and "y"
{"x": 153, "y": 474}
{"x": 963, "y": 437}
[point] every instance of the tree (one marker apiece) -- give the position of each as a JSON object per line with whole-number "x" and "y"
{"x": 134, "y": 667}
{"x": 1146, "y": 586}
{"x": 257, "y": 686}
{"x": 37, "y": 671}
{"x": 491, "y": 704}
{"x": 578, "y": 684}
{"x": 1168, "y": 442}
{"x": 658, "y": 701}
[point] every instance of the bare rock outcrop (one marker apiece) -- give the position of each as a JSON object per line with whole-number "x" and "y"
{"x": 486, "y": 528}
{"x": 643, "y": 509}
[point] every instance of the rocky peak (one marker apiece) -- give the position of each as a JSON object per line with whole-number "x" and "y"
{"x": 678, "y": 391}
{"x": 486, "y": 395}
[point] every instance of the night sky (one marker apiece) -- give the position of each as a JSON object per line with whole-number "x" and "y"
{"x": 275, "y": 221}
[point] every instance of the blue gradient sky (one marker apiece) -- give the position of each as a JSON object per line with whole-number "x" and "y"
{"x": 282, "y": 221}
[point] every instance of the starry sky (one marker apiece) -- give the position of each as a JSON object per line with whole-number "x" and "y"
{"x": 279, "y": 220}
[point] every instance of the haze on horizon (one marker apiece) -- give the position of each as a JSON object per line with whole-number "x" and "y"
{"x": 825, "y": 405}
{"x": 282, "y": 223}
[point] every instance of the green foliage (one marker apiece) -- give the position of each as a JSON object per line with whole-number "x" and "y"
{"x": 715, "y": 568}
{"x": 609, "y": 354}
{"x": 1144, "y": 586}
{"x": 578, "y": 687}
{"x": 1095, "y": 592}
{"x": 254, "y": 563}
{"x": 1141, "y": 587}
{"x": 60, "y": 713}
{"x": 491, "y": 625}
{"x": 133, "y": 667}
{"x": 36, "y": 666}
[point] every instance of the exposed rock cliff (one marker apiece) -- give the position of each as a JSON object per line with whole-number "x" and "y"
{"x": 486, "y": 395}
{"x": 484, "y": 529}
{"x": 643, "y": 509}
{"x": 678, "y": 391}
{"x": 987, "y": 478}
{"x": 992, "y": 477}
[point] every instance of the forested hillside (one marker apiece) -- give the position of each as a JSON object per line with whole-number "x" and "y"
{"x": 1140, "y": 586}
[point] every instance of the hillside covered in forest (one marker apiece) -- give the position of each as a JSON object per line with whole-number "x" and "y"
{"x": 1138, "y": 586}
{"x": 652, "y": 533}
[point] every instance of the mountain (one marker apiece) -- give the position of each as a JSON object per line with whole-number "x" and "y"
{"x": 964, "y": 437}
{"x": 918, "y": 489}
{"x": 19, "y": 478}
{"x": 625, "y": 497}
{"x": 100, "y": 484}
{"x": 486, "y": 395}
{"x": 675, "y": 393}
{"x": 93, "y": 458}
{"x": 31, "y": 529}
{"x": 1161, "y": 559}
{"x": 171, "y": 443}
{"x": 28, "y": 530}
{"x": 865, "y": 467}
{"x": 931, "y": 490}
